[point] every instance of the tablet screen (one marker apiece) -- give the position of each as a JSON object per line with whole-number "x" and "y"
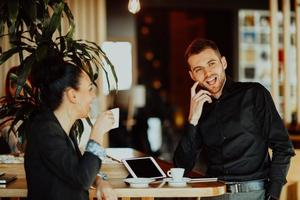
{"x": 145, "y": 167}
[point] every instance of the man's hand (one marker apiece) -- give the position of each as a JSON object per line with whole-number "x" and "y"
{"x": 197, "y": 101}
{"x": 104, "y": 191}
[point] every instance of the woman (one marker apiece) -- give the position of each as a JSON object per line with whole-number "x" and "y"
{"x": 55, "y": 168}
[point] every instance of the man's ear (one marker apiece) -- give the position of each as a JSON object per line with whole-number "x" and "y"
{"x": 71, "y": 95}
{"x": 192, "y": 75}
{"x": 224, "y": 62}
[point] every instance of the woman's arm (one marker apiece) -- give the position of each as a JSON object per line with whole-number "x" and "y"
{"x": 104, "y": 191}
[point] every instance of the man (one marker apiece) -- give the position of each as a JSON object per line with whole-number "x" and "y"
{"x": 234, "y": 123}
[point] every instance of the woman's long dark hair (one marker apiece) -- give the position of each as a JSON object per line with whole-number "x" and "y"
{"x": 51, "y": 77}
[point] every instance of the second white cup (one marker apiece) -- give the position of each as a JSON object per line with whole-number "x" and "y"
{"x": 116, "y": 114}
{"x": 176, "y": 174}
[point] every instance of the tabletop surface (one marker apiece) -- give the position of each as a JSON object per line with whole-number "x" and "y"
{"x": 117, "y": 173}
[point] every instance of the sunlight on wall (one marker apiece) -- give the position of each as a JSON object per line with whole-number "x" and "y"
{"x": 154, "y": 133}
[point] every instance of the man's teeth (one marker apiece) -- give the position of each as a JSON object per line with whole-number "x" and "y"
{"x": 211, "y": 81}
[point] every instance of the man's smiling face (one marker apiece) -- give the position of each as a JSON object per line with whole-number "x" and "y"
{"x": 208, "y": 69}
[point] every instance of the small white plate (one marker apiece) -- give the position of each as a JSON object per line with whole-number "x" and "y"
{"x": 181, "y": 183}
{"x": 139, "y": 182}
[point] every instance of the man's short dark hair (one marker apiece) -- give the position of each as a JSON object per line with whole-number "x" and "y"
{"x": 200, "y": 44}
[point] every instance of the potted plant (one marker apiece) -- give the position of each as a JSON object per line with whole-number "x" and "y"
{"x": 31, "y": 26}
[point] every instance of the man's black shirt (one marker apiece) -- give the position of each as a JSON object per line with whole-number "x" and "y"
{"x": 236, "y": 131}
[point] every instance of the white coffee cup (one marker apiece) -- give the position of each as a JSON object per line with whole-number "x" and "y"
{"x": 176, "y": 174}
{"x": 116, "y": 114}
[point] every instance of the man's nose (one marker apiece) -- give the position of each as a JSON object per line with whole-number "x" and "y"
{"x": 207, "y": 71}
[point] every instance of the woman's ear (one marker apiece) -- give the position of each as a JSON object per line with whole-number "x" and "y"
{"x": 71, "y": 95}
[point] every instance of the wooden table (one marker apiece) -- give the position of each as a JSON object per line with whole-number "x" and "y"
{"x": 18, "y": 188}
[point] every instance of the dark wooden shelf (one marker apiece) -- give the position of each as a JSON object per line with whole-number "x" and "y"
{"x": 295, "y": 138}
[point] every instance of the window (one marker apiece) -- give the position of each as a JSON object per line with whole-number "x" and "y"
{"x": 120, "y": 55}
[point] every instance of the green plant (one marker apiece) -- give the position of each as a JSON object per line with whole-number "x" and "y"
{"x": 31, "y": 26}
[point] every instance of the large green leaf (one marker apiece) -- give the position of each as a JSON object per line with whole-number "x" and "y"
{"x": 31, "y": 10}
{"x": 62, "y": 44}
{"x": 75, "y": 60}
{"x": 46, "y": 2}
{"x": 81, "y": 50}
{"x": 7, "y": 119}
{"x": 28, "y": 40}
{"x": 70, "y": 17}
{"x": 13, "y": 10}
{"x": 92, "y": 46}
{"x": 7, "y": 54}
{"x": 71, "y": 31}
{"x": 1, "y": 27}
{"x": 23, "y": 72}
{"x": 112, "y": 69}
{"x": 55, "y": 20}
{"x": 23, "y": 45}
{"x": 105, "y": 58}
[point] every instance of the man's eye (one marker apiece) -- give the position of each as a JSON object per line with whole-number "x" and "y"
{"x": 211, "y": 64}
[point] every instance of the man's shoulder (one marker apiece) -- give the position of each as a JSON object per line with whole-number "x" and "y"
{"x": 250, "y": 86}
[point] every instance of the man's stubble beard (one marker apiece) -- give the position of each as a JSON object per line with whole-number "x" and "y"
{"x": 220, "y": 85}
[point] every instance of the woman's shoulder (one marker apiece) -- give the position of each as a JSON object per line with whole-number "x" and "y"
{"x": 44, "y": 120}
{"x": 43, "y": 115}
{"x": 44, "y": 125}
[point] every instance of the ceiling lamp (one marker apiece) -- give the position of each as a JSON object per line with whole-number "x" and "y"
{"x": 134, "y": 6}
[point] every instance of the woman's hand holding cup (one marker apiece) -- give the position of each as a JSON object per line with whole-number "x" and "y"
{"x": 103, "y": 124}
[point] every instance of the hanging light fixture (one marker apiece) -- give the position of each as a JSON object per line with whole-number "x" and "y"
{"x": 134, "y": 6}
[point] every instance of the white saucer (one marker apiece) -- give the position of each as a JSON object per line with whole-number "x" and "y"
{"x": 139, "y": 182}
{"x": 181, "y": 183}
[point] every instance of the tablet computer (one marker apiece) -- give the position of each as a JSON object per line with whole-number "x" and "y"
{"x": 143, "y": 167}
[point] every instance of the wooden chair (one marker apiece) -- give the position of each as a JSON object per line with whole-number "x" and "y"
{"x": 291, "y": 191}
